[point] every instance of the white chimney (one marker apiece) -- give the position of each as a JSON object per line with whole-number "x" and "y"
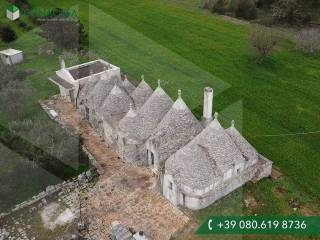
{"x": 207, "y": 106}
{"x": 62, "y": 63}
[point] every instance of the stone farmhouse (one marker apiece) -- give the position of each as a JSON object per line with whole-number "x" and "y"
{"x": 198, "y": 162}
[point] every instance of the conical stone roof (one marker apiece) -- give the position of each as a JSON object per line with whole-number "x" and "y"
{"x": 208, "y": 155}
{"x": 177, "y": 128}
{"x": 127, "y": 85}
{"x": 148, "y": 116}
{"x": 128, "y": 125}
{"x": 141, "y": 94}
{"x": 115, "y": 106}
{"x": 248, "y": 151}
{"x": 101, "y": 90}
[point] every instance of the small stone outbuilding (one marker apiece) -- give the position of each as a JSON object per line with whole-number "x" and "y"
{"x": 11, "y": 56}
{"x": 13, "y": 12}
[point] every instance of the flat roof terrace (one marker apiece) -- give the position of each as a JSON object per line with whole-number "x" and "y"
{"x": 85, "y": 70}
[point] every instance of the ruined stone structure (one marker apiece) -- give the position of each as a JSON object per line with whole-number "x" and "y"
{"x": 198, "y": 162}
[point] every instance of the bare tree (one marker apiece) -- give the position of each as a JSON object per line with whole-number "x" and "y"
{"x": 262, "y": 40}
{"x": 308, "y": 40}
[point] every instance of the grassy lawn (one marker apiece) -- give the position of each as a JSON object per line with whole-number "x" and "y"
{"x": 190, "y": 49}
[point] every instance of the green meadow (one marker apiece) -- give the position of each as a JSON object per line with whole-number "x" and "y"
{"x": 189, "y": 48}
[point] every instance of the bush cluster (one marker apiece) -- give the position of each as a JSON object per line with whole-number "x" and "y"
{"x": 7, "y": 34}
{"x": 219, "y": 7}
{"x": 24, "y": 25}
{"x": 308, "y": 40}
{"x": 264, "y": 3}
{"x": 292, "y": 12}
{"x": 246, "y": 9}
{"x": 22, "y": 4}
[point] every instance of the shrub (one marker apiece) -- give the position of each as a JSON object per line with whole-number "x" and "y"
{"x": 289, "y": 11}
{"x": 263, "y": 41}
{"x": 315, "y": 3}
{"x": 231, "y": 5}
{"x": 7, "y": 34}
{"x": 246, "y": 9}
{"x": 22, "y": 4}
{"x": 308, "y": 40}
{"x": 266, "y": 20}
{"x": 218, "y": 7}
{"x": 24, "y": 25}
{"x": 264, "y": 3}
{"x": 208, "y": 4}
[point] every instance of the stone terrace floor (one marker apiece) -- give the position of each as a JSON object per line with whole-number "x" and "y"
{"x": 123, "y": 192}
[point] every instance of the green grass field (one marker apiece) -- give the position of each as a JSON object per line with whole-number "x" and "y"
{"x": 189, "y": 49}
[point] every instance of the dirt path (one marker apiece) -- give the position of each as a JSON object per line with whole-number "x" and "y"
{"x": 124, "y": 192}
